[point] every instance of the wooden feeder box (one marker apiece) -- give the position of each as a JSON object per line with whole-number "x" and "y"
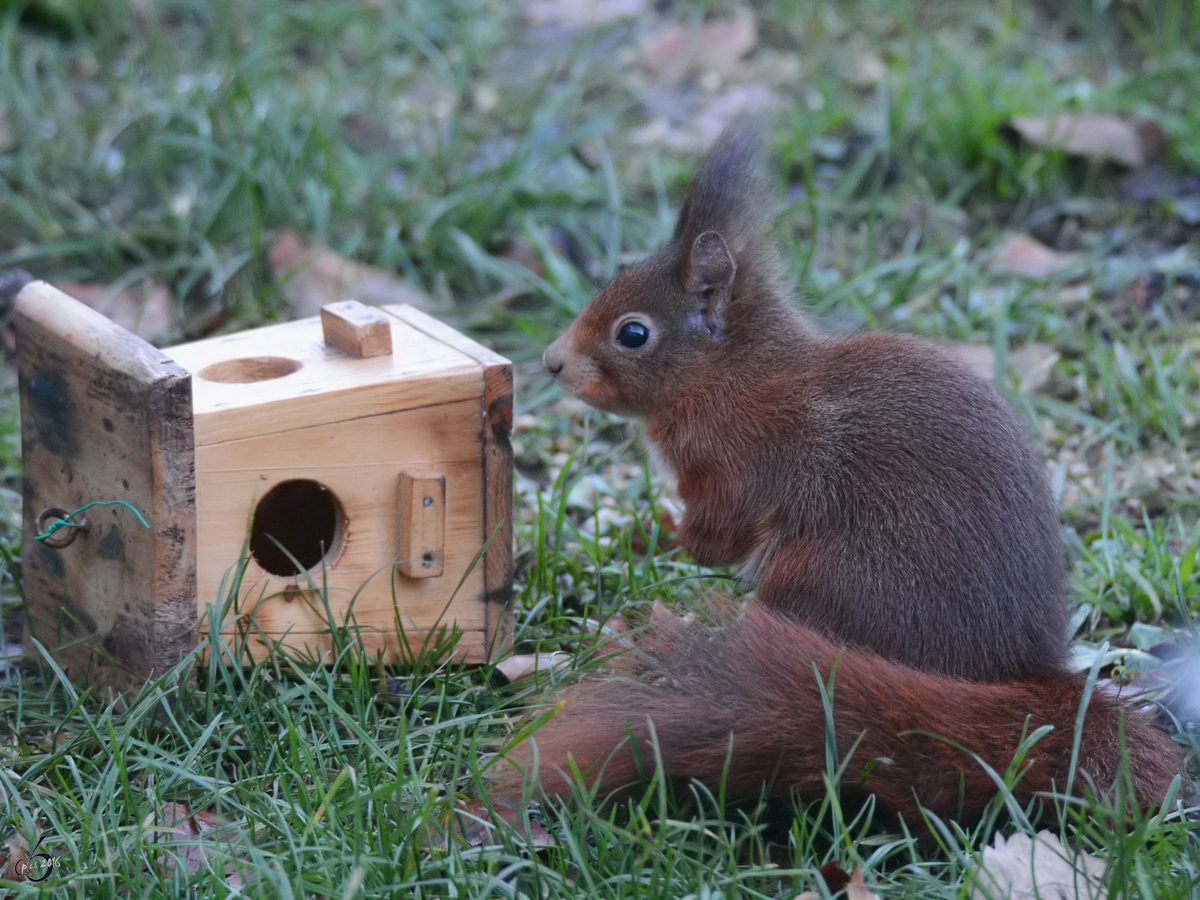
{"x": 365, "y": 452}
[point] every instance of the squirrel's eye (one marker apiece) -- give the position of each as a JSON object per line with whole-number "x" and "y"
{"x": 633, "y": 335}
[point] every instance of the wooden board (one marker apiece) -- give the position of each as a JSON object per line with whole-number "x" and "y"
{"x": 497, "y": 465}
{"x": 323, "y": 385}
{"x": 105, "y": 416}
{"x": 360, "y": 462}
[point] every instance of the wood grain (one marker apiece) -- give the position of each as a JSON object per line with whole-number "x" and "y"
{"x": 360, "y": 463}
{"x": 497, "y": 469}
{"x": 357, "y": 330}
{"x": 326, "y": 387}
{"x": 105, "y": 416}
{"x": 421, "y": 523}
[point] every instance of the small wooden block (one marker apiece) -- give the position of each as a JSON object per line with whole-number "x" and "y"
{"x": 357, "y": 330}
{"x": 421, "y": 523}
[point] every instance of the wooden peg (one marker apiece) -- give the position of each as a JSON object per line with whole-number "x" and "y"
{"x": 357, "y": 330}
{"x": 421, "y": 523}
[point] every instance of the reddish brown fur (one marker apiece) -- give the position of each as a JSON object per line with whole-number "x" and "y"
{"x": 879, "y": 492}
{"x": 754, "y": 680}
{"x": 882, "y": 496}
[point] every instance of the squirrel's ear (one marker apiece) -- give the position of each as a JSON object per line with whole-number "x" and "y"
{"x": 710, "y": 272}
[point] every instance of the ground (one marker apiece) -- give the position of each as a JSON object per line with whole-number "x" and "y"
{"x": 502, "y": 161}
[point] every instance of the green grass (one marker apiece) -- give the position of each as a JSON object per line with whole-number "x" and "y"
{"x": 493, "y": 166}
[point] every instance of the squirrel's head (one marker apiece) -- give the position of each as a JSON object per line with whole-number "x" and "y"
{"x": 640, "y": 340}
{"x": 664, "y": 323}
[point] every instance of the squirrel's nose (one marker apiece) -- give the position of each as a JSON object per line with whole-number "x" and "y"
{"x": 552, "y": 361}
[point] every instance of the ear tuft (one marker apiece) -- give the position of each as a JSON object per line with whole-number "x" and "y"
{"x": 711, "y": 266}
{"x": 710, "y": 273}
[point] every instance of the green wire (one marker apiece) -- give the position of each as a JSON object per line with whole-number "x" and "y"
{"x": 65, "y": 523}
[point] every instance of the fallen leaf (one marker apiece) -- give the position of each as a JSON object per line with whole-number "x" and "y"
{"x": 835, "y": 877}
{"x": 678, "y": 49}
{"x": 1131, "y": 141}
{"x": 666, "y": 626}
{"x": 525, "y": 665}
{"x": 857, "y": 888}
{"x": 193, "y": 837}
{"x": 581, "y": 13}
{"x": 474, "y": 825}
{"x": 1175, "y": 683}
{"x": 16, "y": 849}
{"x": 1020, "y": 254}
{"x": 1025, "y": 868}
{"x": 860, "y": 66}
{"x": 725, "y": 106}
{"x": 1030, "y": 364}
{"x": 694, "y": 130}
{"x": 145, "y": 307}
{"x": 315, "y": 275}
{"x": 611, "y": 640}
{"x": 979, "y": 358}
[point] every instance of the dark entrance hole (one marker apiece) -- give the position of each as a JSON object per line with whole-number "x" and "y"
{"x": 304, "y": 517}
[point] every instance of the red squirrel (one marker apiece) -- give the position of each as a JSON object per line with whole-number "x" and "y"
{"x": 874, "y": 489}
{"x": 890, "y": 508}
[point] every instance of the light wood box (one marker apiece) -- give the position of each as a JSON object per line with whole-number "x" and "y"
{"x": 387, "y": 477}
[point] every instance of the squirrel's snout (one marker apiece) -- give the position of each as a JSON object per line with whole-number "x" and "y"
{"x": 552, "y": 359}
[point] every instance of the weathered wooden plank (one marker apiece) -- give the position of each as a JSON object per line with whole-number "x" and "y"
{"x": 105, "y": 416}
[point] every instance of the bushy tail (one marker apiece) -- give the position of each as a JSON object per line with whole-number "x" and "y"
{"x": 744, "y": 706}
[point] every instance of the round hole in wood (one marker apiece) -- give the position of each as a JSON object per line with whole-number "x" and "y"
{"x": 250, "y": 368}
{"x": 296, "y": 521}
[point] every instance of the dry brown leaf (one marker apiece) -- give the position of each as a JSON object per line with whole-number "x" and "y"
{"x": 857, "y": 888}
{"x": 1031, "y": 364}
{"x": 1133, "y": 142}
{"x": 16, "y": 849}
{"x": 836, "y": 879}
{"x": 581, "y": 13}
{"x": 1020, "y": 254}
{"x": 861, "y": 66}
{"x": 1024, "y": 868}
{"x": 194, "y": 836}
{"x": 695, "y": 132}
{"x": 145, "y": 307}
{"x": 662, "y": 616}
{"x": 20, "y": 862}
{"x": 315, "y": 275}
{"x": 678, "y": 50}
{"x": 474, "y": 825}
{"x": 525, "y": 665}
{"x": 666, "y": 626}
{"x": 612, "y": 640}
{"x": 979, "y": 358}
